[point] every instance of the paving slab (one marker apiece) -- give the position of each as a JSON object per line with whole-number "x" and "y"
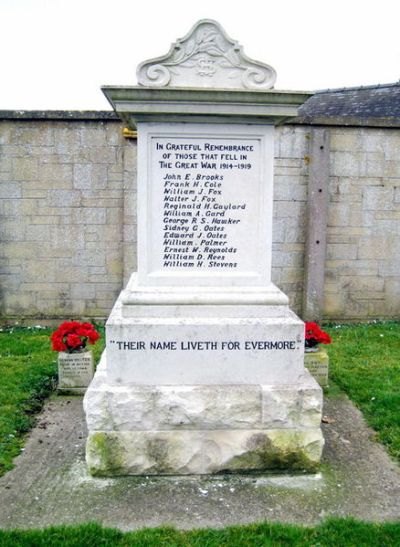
{"x": 50, "y": 485}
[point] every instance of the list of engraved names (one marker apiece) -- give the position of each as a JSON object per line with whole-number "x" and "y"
{"x": 206, "y": 193}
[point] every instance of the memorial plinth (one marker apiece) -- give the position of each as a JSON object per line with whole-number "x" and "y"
{"x": 204, "y": 364}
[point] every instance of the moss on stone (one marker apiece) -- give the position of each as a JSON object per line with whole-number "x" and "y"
{"x": 283, "y": 450}
{"x": 104, "y": 455}
{"x": 124, "y": 453}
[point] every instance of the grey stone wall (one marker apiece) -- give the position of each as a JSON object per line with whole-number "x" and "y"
{"x": 62, "y": 203}
{"x": 362, "y": 271}
{"x": 290, "y": 210}
{"x": 68, "y": 206}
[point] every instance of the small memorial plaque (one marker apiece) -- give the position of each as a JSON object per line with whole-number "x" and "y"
{"x": 318, "y": 365}
{"x": 207, "y": 190}
{"x": 75, "y": 370}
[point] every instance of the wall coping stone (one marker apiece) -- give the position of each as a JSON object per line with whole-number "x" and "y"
{"x": 64, "y": 115}
{"x": 110, "y": 116}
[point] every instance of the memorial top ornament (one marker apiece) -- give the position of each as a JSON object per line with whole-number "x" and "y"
{"x": 207, "y": 58}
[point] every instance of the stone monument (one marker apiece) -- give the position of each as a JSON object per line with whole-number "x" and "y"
{"x": 203, "y": 370}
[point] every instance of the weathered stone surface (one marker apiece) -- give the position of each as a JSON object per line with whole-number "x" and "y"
{"x": 134, "y": 407}
{"x": 201, "y": 452}
{"x": 292, "y": 406}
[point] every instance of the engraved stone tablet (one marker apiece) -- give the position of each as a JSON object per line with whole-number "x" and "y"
{"x": 206, "y": 196}
{"x": 318, "y": 365}
{"x": 75, "y": 370}
{"x": 206, "y": 58}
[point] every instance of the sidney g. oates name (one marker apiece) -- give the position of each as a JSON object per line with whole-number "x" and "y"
{"x": 205, "y": 345}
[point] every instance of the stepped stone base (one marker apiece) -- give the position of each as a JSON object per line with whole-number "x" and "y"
{"x": 201, "y": 452}
{"x": 201, "y": 429}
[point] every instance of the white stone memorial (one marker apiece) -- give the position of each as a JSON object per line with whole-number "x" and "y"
{"x": 203, "y": 370}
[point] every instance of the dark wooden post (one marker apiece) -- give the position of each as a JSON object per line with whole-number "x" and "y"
{"x": 318, "y": 200}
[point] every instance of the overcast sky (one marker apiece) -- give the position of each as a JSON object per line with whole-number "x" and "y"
{"x": 55, "y": 54}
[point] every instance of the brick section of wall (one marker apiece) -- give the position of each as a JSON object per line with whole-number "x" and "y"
{"x": 61, "y": 188}
{"x": 68, "y": 206}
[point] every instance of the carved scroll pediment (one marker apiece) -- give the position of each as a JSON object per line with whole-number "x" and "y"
{"x": 207, "y": 58}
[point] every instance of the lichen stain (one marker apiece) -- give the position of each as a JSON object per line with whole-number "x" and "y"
{"x": 157, "y": 450}
{"x": 262, "y": 454}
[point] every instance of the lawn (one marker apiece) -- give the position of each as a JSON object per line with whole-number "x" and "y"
{"x": 332, "y": 533}
{"x": 365, "y": 363}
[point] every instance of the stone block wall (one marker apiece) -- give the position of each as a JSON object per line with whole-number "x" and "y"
{"x": 62, "y": 197}
{"x": 290, "y": 211}
{"x": 68, "y": 206}
{"x": 362, "y": 270}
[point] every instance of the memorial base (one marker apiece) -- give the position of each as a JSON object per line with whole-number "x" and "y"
{"x": 201, "y": 429}
{"x": 202, "y": 381}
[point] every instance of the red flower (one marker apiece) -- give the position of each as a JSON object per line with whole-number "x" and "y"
{"x": 72, "y": 336}
{"x": 83, "y": 331}
{"x": 93, "y": 336}
{"x": 325, "y": 338}
{"x": 73, "y": 340}
{"x": 58, "y": 345}
{"x": 314, "y": 335}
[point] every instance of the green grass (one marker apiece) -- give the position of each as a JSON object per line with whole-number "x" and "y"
{"x": 28, "y": 373}
{"x": 365, "y": 363}
{"x": 335, "y": 533}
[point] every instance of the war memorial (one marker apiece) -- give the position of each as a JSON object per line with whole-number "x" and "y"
{"x": 203, "y": 370}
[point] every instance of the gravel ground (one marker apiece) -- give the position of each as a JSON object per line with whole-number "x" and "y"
{"x": 50, "y": 485}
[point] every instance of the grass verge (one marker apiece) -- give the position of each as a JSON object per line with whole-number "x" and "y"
{"x": 336, "y": 532}
{"x": 365, "y": 363}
